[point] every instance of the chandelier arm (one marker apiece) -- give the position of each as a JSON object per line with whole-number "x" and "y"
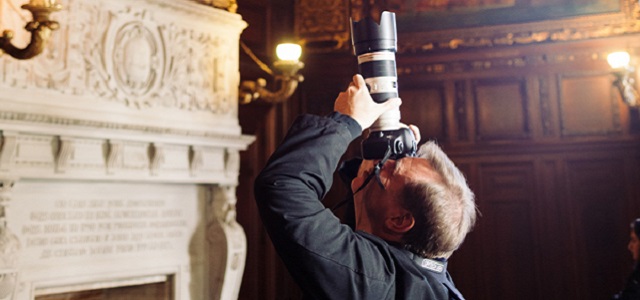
{"x": 40, "y": 29}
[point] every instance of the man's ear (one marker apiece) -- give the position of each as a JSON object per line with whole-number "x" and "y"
{"x": 401, "y": 222}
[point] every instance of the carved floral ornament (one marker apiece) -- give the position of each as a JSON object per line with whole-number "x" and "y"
{"x": 131, "y": 55}
{"x": 145, "y": 64}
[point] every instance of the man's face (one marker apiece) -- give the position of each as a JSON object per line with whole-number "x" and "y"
{"x": 375, "y": 205}
{"x": 634, "y": 245}
{"x": 372, "y": 202}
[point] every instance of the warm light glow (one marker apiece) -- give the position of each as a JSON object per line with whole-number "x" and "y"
{"x": 42, "y": 3}
{"x": 289, "y": 51}
{"x": 618, "y": 59}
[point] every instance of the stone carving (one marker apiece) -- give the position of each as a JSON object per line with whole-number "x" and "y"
{"x": 9, "y": 247}
{"x": 224, "y": 228}
{"x": 6, "y": 186}
{"x": 8, "y": 147}
{"x": 192, "y": 76}
{"x": 9, "y": 244}
{"x": 127, "y": 156}
{"x": 131, "y": 100}
{"x": 169, "y": 159}
{"x": 136, "y": 60}
{"x": 209, "y": 160}
{"x": 232, "y": 163}
{"x": 157, "y": 158}
{"x": 65, "y": 151}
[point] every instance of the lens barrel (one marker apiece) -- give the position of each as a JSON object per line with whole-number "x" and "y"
{"x": 375, "y": 46}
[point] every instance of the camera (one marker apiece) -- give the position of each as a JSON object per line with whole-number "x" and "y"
{"x": 375, "y": 46}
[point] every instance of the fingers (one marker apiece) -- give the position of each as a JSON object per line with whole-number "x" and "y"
{"x": 358, "y": 81}
{"x": 416, "y": 132}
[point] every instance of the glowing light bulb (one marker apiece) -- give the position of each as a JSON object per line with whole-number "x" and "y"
{"x": 618, "y": 59}
{"x": 289, "y": 51}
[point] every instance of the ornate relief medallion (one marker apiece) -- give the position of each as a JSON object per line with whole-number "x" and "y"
{"x": 137, "y": 59}
{"x": 134, "y": 56}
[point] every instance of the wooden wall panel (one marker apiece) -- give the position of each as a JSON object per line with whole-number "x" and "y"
{"x": 555, "y": 272}
{"x": 501, "y": 110}
{"x": 431, "y": 113}
{"x": 505, "y": 199}
{"x": 588, "y": 105}
{"x": 598, "y": 200}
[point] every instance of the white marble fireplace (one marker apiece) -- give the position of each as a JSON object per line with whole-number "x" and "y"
{"x": 119, "y": 152}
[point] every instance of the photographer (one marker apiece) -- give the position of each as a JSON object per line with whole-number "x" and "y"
{"x": 410, "y": 213}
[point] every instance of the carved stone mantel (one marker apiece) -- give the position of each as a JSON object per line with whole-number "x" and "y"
{"x": 131, "y": 112}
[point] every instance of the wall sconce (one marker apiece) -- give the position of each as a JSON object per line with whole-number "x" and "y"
{"x": 287, "y": 79}
{"x": 625, "y": 82}
{"x": 40, "y": 28}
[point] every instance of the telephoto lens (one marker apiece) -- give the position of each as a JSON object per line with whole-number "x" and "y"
{"x": 375, "y": 46}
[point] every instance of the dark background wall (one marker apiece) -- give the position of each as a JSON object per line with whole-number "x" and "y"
{"x": 519, "y": 93}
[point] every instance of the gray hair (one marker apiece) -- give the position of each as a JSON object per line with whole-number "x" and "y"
{"x": 444, "y": 210}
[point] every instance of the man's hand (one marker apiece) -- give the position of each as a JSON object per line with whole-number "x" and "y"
{"x": 358, "y": 104}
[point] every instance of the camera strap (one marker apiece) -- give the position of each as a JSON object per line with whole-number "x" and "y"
{"x": 375, "y": 173}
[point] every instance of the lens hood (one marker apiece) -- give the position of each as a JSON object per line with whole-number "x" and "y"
{"x": 369, "y": 36}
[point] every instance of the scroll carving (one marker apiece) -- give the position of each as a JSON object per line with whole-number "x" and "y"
{"x": 125, "y": 156}
{"x": 223, "y": 229}
{"x": 66, "y": 149}
{"x": 8, "y": 146}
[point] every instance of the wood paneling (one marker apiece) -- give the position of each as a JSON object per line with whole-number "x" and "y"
{"x": 527, "y": 111}
{"x": 505, "y": 198}
{"x": 501, "y": 110}
{"x": 432, "y": 112}
{"x": 588, "y": 105}
{"x": 598, "y": 199}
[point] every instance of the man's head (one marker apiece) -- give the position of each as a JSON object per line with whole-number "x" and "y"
{"x": 425, "y": 205}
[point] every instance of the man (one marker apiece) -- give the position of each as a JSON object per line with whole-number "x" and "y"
{"x": 410, "y": 213}
{"x": 631, "y": 290}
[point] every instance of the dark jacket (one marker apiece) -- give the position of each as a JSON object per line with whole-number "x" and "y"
{"x": 631, "y": 290}
{"x": 328, "y": 259}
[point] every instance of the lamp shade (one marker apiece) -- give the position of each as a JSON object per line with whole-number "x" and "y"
{"x": 618, "y": 59}
{"x": 288, "y": 51}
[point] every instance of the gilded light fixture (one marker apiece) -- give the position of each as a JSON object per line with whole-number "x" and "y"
{"x": 624, "y": 72}
{"x": 40, "y": 28}
{"x": 287, "y": 79}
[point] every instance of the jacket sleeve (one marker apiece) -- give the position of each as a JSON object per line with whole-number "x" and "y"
{"x": 325, "y": 257}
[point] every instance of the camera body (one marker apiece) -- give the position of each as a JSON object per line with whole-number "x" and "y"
{"x": 375, "y": 46}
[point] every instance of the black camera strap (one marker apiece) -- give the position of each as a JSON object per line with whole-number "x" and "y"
{"x": 375, "y": 173}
